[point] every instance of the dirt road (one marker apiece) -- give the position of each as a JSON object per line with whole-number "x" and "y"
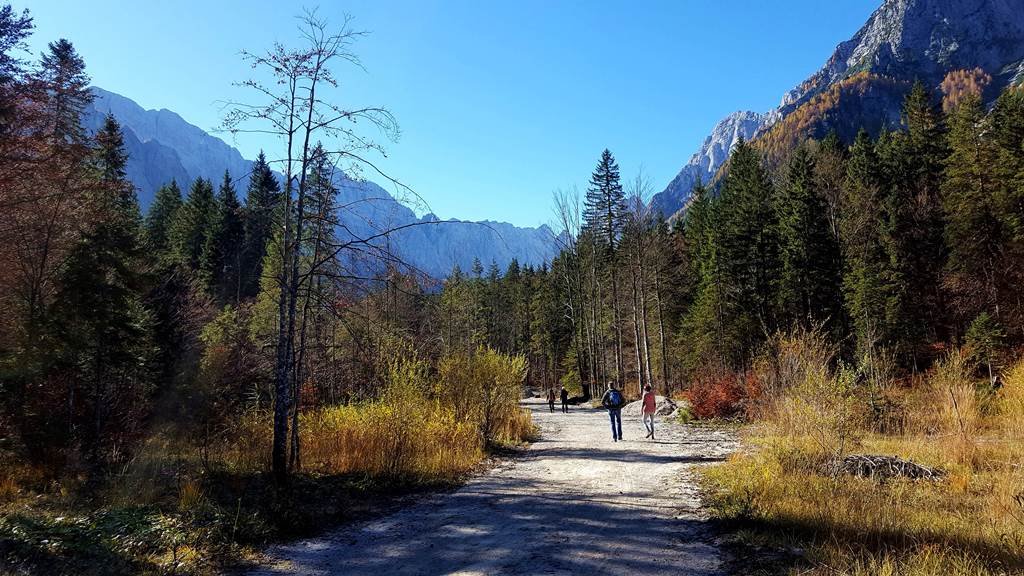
{"x": 575, "y": 503}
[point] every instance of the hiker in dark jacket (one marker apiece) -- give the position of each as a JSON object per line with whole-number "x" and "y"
{"x": 613, "y": 401}
{"x": 551, "y": 399}
{"x": 565, "y": 399}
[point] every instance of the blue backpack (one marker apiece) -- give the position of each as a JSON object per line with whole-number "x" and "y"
{"x": 614, "y": 398}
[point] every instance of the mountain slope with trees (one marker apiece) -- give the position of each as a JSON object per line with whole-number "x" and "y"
{"x": 863, "y": 83}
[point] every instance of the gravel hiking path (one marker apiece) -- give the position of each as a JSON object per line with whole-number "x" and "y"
{"x": 574, "y": 503}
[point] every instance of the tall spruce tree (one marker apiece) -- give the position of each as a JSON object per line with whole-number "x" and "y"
{"x": 321, "y": 207}
{"x": 263, "y": 203}
{"x": 111, "y": 161}
{"x": 62, "y": 72}
{"x": 100, "y": 320}
{"x": 809, "y": 284}
{"x": 864, "y": 277}
{"x": 702, "y": 331}
{"x": 160, "y": 217}
{"x": 222, "y": 253}
{"x": 749, "y": 246}
{"x": 605, "y": 204}
{"x": 15, "y": 28}
{"x": 975, "y": 234}
{"x": 192, "y": 226}
{"x": 1007, "y": 131}
{"x": 604, "y": 212}
{"x": 913, "y": 231}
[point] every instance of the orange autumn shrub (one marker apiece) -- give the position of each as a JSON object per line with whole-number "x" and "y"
{"x": 722, "y": 395}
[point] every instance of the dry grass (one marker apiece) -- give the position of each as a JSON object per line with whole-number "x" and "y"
{"x": 972, "y": 522}
{"x": 1012, "y": 402}
{"x": 184, "y": 499}
{"x": 419, "y": 428}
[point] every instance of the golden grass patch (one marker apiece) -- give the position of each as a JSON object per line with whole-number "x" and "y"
{"x": 970, "y": 522}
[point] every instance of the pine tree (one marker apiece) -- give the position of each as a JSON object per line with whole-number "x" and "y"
{"x": 99, "y": 317}
{"x": 864, "y": 275}
{"x": 47, "y": 168}
{"x": 749, "y": 246}
{"x": 321, "y": 206}
{"x": 1007, "y": 135}
{"x": 192, "y": 226}
{"x": 111, "y": 160}
{"x": 263, "y": 203}
{"x": 605, "y": 204}
{"x": 160, "y": 217}
{"x": 604, "y": 214}
{"x": 1007, "y": 130}
{"x": 810, "y": 276}
{"x": 703, "y": 326}
{"x": 222, "y": 252}
{"x": 62, "y": 71}
{"x": 913, "y": 221}
{"x": 975, "y": 234}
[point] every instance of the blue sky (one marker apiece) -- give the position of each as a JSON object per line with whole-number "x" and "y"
{"x": 500, "y": 103}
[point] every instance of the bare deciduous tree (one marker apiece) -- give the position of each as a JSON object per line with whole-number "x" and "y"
{"x": 293, "y": 104}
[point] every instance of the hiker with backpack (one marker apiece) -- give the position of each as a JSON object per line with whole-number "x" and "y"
{"x": 551, "y": 399}
{"x": 613, "y": 401}
{"x": 649, "y": 407}
{"x": 565, "y": 400}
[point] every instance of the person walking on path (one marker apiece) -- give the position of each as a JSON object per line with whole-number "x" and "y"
{"x": 613, "y": 401}
{"x": 565, "y": 400}
{"x": 551, "y": 399}
{"x": 650, "y": 405}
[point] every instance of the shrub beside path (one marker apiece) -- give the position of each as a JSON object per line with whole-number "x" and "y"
{"x": 574, "y": 503}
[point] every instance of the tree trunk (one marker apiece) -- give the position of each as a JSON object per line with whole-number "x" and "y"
{"x": 636, "y": 336}
{"x": 616, "y": 318}
{"x": 661, "y": 335}
{"x": 282, "y": 383}
{"x": 285, "y": 318}
{"x": 643, "y": 312}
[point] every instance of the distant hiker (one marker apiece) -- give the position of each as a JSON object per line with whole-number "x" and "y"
{"x": 551, "y": 399}
{"x": 650, "y": 405}
{"x": 613, "y": 401}
{"x": 565, "y": 399}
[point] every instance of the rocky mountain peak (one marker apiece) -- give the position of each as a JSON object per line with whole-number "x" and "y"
{"x": 705, "y": 162}
{"x": 925, "y": 39}
{"x": 904, "y": 40}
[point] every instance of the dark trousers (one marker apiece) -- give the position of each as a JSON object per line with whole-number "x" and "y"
{"x": 616, "y": 416}
{"x": 551, "y": 405}
{"x": 565, "y": 406}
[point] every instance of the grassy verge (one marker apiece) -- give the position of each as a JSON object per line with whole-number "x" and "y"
{"x": 231, "y": 519}
{"x": 779, "y": 500}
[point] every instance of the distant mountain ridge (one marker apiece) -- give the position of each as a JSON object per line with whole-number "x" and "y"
{"x": 163, "y": 146}
{"x": 902, "y": 41}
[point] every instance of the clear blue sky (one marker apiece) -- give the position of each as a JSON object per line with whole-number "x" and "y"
{"x": 500, "y": 103}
